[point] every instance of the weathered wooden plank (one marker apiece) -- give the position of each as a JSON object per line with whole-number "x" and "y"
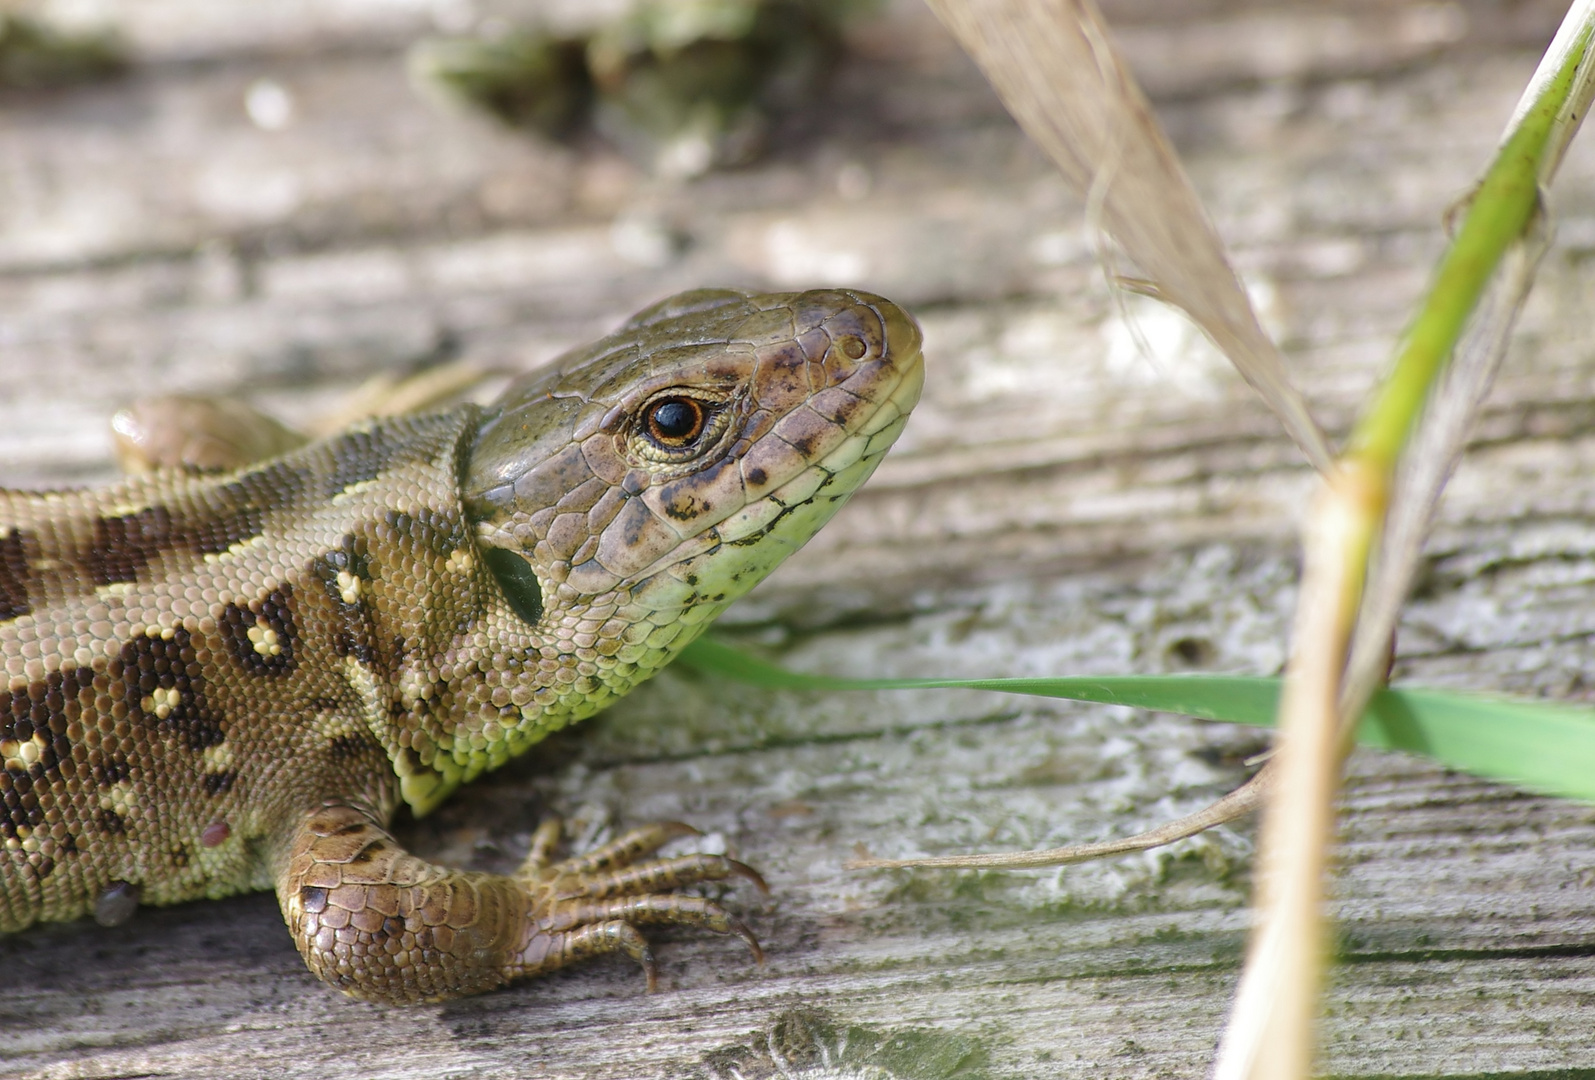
{"x": 1451, "y": 889}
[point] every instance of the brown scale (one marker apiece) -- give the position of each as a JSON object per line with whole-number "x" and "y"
{"x": 14, "y": 573}
{"x": 227, "y": 681}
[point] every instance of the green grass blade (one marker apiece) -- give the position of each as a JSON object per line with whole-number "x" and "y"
{"x": 1541, "y": 745}
{"x": 1237, "y": 699}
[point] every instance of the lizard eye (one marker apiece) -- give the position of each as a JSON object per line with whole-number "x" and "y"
{"x": 673, "y": 422}
{"x": 678, "y": 426}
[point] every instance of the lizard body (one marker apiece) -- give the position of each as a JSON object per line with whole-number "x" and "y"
{"x": 226, "y": 682}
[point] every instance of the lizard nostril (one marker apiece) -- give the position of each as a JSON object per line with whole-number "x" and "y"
{"x": 852, "y": 347}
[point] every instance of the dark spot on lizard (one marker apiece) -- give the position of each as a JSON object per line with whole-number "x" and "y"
{"x": 350, "y": 747}
{"x": 352, "y": 556}
{"x": 683, "y": 499}
{"x": 343, "y": 573}
{"x": 238, "y": 508}
{"x": 123, "y": 546}
{"x": 369, "y": 852}
{"x": 757, "y": 476}
{"x": 354, "y": 641}
{"x": 358, "y": 456}
{"x": 234, "y": 525}
{"x": 787, "y": 356}
{"x": 687, "y": 508}
{"x": 426, "y": 530}
{"x": 34, "y": 721}
{"x": 37, "y": 867}
{"x": 112, "y": 771}
{"x": 804, "y": 444}
{"x": 111, "y": 822}
{"x": 262, "y": 636}
{"x": 401, "y": 523}
{"x": 313, "y": 898}
{"x": 164, "y": 685}
{"x": 14, "y": 573}
{"x": 220, "y": 783}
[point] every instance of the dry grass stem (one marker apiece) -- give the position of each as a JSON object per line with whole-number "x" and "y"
{"x": 1276, "y": 1004}
{"x": 1056, "y": 69}
{"x": 1238, "y": 803}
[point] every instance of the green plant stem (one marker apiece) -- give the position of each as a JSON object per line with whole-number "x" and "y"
{"x": 1499, "y": 211}
{"x": 1270, "y": 1033}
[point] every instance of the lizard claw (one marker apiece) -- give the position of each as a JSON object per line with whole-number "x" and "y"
{"x": 748, "y": 873}
{"x": 593, "y": 903}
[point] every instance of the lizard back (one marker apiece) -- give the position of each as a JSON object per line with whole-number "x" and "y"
{"x": 178, "y": 651}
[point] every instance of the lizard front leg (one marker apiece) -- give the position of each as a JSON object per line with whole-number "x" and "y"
{"x": 384, "y": 925}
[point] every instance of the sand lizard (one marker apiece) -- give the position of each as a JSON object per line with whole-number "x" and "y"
{"x": 229, "y": 681}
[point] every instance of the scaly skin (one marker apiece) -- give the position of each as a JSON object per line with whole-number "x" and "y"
{"x": 227, "y": 682}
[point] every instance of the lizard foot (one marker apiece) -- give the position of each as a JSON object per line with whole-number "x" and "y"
{"x": 384, "y": 925}
{"x": 591, "y": 904}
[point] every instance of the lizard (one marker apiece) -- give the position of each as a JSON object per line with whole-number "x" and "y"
{"x": 227, "y": 681}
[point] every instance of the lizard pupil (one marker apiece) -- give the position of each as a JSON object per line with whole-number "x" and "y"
{"x": 676, "y": 421}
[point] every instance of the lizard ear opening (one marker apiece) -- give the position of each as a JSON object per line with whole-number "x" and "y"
{"x": 518, "y": 581}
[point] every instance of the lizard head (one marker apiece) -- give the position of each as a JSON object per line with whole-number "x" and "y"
{"x": 666, "y": 469}
{"x": 621, "y": 497}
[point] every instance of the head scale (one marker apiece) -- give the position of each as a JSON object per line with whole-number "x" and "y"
{"x": 622, "y": 497}
{"x": 676, "y": 462}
